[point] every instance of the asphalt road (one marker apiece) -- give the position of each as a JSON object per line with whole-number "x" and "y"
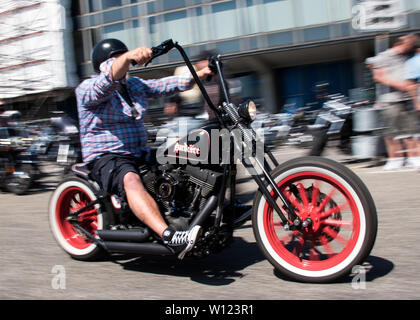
{"x": 30, "y": 257}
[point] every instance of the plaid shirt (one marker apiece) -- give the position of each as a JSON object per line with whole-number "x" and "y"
{"x": 106, "y": 121}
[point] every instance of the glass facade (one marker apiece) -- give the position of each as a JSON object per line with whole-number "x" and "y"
{"x": 176, "y": 25}
{"x": 224, "y": 20}
{"x": 220, "y": 24}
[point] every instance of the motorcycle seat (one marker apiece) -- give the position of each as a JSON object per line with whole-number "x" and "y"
{"x": 81, "y": 169}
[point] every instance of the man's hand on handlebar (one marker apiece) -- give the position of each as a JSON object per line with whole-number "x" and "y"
{"x": 136, "y": 56}
{"x": 204, "y": 73}
{"x": 140, "y": 55}
{"x": 144, "y": 56}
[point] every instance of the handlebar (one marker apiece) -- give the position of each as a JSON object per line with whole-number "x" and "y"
{"x": 167, "y": 46}
{"x": 214, "y": 64}
{"x": 213, "y": 67}
{"x": 160, "y": 50}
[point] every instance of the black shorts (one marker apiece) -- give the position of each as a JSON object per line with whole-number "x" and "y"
{"x": 110, "y": 169}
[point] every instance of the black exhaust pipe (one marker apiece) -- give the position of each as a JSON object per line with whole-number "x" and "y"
{"x": 138, "y": 248}
{"x": 112, "y": 239}
{"x": 136, "y": 235}
{"x": 205, "y": 212}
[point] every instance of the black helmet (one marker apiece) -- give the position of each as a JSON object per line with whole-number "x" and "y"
{"x": 105, "y": 49}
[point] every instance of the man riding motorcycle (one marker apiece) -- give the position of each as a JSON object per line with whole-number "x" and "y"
{"x": 111, "y": 105}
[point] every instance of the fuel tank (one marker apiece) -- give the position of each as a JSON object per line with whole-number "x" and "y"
{"x": 200, "y": 145}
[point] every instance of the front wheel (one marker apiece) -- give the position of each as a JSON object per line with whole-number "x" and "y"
{"x": 343, "y": 215}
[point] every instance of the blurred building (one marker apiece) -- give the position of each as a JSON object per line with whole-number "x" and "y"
{"x": 278, "y": 48}
{"x": 37, "y": 65}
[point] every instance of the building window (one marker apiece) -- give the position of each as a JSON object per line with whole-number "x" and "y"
{"x": 192, "y": 2}
{"x": 112, "y": 15}
{"x": 415, "y": 5}
{"x": 202, "y": 25}
{"x": 154, "y": 31}
{"x": 287, "y": 14}
{"x": 150, "y": 7}
{"x": 135, "y": 34}
{"x": 251, "y": 18}
{"x": 340, "y": 10}
{"x": 311, "y": 12}
{"x": 173, "y": 4}
{"x": 115, "y": 31}
{"x": 225, "y": 20}
{"x": 177, "y": 27}
{"x": 316, "y": 33}
{"x": 106, "y": 4}
{"x": 94, "y": 5}
{"x": 278, "y": 14}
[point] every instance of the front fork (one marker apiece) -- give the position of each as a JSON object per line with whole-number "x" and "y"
{"x": 254, "y": 164}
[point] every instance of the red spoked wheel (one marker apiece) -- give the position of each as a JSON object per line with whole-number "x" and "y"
{"x": 70, "y": 196}
{"x": 71, "y": 200}
{"x": 342, "y": 215}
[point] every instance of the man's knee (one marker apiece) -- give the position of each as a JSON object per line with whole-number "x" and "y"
{"x": 132, "y": 181}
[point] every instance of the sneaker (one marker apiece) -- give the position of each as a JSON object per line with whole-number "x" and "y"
{"x": 413, "y": 162}
{"x": 394, "y": 164}
{"x": 181, "y": 241}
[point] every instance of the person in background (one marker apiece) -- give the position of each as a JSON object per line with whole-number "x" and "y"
{"x": 189, "y": 103}
{"x": 412, "y": 74}
{"x": 388, "y": 69}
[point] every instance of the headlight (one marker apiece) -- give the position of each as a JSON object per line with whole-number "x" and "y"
{"x": 248, "y": 110}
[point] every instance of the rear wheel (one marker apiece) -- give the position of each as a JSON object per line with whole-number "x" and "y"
{"x": 70, "y": 196}
{"x": 343, "y": 215}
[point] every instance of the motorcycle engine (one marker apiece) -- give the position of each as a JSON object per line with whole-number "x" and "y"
{"x": 180, "y": 192}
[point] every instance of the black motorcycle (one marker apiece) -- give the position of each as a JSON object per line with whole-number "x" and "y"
{"x": 18, "y": 168}
{"x": 313, "y": 218}
{"x": 59, "y": 143}
{"x": 333, "y": 122}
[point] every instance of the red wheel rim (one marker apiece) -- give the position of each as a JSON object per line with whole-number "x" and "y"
{"x": 336, "y": 222}
{"x": 71, "y": 200}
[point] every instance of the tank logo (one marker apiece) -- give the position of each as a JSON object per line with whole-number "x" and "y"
{"x": 186, "y": 148}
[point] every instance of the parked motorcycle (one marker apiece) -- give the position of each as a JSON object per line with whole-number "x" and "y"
{"x": 313, "y": 218}
{"x": 59, "y": 143}
{"x": 334, "y": 121}
{"x": 274, "y": 128}
{"x": 290, "y": 128}
{"x": 18, "y": 167}
{"x": 338, "y": 121}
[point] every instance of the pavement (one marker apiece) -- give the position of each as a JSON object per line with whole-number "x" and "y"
{"x": 34, "y": 267}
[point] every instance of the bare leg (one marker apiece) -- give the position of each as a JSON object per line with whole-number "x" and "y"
{"x": 142, "y": 204}
{"x": 411, "y": 145}
{"x": 413, "y": 150}
{"x": 417, "y": 146}
{"x": 394, "y": 148}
